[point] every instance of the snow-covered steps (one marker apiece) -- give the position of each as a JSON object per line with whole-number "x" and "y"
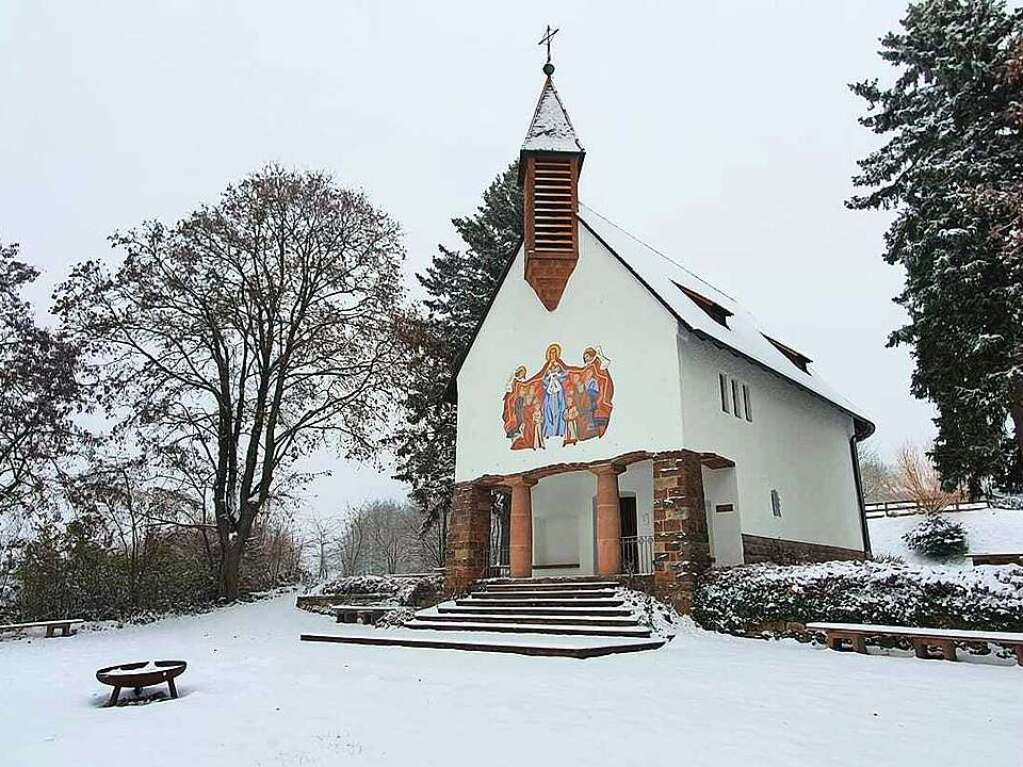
{"x": 522, "y": 593}
{"x": 479, "y": 608}
{"x": 568, "y": 619}
{"x": 474, "y": 601}
{"x": 526, "y": 626}
{"x": 561, "y": 617}
{"x": 519, "y": 584}
{"x": 519, "y": 644}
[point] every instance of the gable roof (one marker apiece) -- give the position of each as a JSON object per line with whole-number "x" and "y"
{"x": 551, "y": 129}
{"x": 670, "y": 284}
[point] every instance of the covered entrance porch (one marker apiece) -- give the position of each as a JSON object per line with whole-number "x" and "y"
{"x": 642, "y": 513}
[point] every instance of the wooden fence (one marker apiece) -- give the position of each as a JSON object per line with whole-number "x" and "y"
{"x": 908, "y": 508}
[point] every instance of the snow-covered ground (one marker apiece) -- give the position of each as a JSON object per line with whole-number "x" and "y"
{"x": 254, "y": 695}
{"x": 988, "y": 531}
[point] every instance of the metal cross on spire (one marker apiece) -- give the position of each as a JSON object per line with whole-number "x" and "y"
{"x": 548, "y": 68}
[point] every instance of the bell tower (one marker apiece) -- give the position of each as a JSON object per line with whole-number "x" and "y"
{"x": 549, "y": 165}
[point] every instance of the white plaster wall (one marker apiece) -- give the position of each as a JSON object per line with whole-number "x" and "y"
{"x": 796, "y": 444}
{"x": 638, "y": 480}
{"x": 724, "y": 528}
{"x": 603, "y": 305}
{"x": 563, "y": 522}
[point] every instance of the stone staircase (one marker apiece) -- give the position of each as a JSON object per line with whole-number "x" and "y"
{"x": 568, "y": 617}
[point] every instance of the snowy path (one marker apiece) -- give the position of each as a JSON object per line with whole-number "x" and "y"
{"x": 254, "y": 695}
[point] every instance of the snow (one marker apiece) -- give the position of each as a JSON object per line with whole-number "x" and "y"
{"x": 990, "y": 636}
{"x": 744, "y": 334}
{"x": 988, "y": 531}
{"x": 254, "y": 695}
{"x": 551, "y": 130}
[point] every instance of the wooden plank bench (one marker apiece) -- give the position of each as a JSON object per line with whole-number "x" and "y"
{"x": 839, "y": 635}
{"x": 996, "y": 559}
{"x": 64, "y": 625}
{"x": 358, "y": 613}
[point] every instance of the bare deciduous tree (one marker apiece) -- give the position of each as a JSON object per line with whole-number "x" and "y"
{"x": 918, "y": 480}
{"x": 39, "y": 389}
{"x": 248, "y": 334}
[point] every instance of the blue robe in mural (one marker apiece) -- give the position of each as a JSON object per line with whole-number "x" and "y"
{"x": 554, "y": 403}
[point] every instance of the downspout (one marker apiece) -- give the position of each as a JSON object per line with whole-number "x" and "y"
{"x": 854, "y": 453}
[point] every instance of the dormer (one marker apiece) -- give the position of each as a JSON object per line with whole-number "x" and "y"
{"x": 549, "y": 165}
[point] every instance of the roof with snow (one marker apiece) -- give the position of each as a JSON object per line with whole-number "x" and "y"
{"x": 713, "y": 315}
{"x": 551, "y": 130}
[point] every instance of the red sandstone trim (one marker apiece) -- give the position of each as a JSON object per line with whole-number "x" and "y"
{"x": 757, "y": 548}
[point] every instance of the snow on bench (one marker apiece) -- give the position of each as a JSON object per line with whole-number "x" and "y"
{"x": 64, "y": 625}
{"x": 359, "y": 613}
{"x": 923, "y": 638}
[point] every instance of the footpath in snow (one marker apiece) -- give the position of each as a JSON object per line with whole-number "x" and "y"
{"x": 254, "y": 695}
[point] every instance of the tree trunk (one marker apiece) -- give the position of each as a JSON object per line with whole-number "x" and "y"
{"x": 230, "y": 571}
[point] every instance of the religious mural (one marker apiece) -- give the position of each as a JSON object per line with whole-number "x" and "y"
{"x": 559, "y": 400}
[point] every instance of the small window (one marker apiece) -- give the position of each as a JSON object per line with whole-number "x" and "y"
{"x": 724, "y": 508}
{"x": 723, "y": 384}
{"x": 736, "y": 401}
{"x": 746, "y": 403}
{"x": 775, "y": 503}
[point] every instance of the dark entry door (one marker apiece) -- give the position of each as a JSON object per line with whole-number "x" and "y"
{"x": 630, "y": 549}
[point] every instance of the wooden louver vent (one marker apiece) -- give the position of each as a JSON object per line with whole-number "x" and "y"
{"x": 552, "y": 247}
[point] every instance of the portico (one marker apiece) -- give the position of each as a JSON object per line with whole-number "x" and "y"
{"x": 567, "y": 519}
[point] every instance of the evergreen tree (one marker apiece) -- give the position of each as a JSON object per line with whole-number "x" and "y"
{"x": 954, "y": 137}
{"x": 459, "y": 285}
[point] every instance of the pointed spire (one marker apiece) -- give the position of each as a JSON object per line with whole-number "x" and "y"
{"x": 551, "y": 129}
{"x": 549, "y": 165}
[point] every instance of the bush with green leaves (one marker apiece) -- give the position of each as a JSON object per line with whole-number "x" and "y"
{"x": 936, "y": 537}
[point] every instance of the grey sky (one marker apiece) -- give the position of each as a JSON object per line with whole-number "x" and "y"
{"x": 721, "y": 134}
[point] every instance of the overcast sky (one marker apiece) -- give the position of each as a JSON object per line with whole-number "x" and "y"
{"x": 720, "y": 133}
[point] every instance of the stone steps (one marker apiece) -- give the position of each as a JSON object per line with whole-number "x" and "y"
{"x": 537, "y": 602}
{"x": 521, "y": 645}
{"x": 515, "y": 584}
{"x": 491, "y": 609}
{"x": 518, "y": 627}
{"x": 570, "y": 619}
{"x": 561, "y": 617}
{"x": 541, "y": 594}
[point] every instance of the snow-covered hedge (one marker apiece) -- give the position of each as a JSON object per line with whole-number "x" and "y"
{"x": 399, "y": 589}
{"x": 758, "y": 598}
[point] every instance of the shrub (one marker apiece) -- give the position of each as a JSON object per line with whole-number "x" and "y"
{"x": 1014, "y": 502}
{"x": 750, "y": 599}
{"x": 937, "y": 538}
{"x": 404, "y": 590}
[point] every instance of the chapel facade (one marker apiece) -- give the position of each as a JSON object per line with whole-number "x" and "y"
{"x": 638, "y": 418}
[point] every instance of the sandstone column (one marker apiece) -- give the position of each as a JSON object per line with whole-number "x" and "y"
{"x": 468, "y": 536}
{"x": 681, "y": 543}
{"x": 521, "y": 528}
{"x": 609, "y": 521}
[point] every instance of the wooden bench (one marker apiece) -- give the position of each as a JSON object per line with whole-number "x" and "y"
{"x": 357, "y": 613}
{"x": 839, "y": 635}
{"x": 996, "y": 559}
{"x": 50, "y": 626}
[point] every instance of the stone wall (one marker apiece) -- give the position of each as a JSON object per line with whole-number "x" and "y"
{"x": 780, "y": 551}
{"x": 681, "y": 542}
{"x": 468, "y": 536}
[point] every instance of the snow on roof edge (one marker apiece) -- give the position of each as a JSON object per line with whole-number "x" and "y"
{"x": 662, "y": 275}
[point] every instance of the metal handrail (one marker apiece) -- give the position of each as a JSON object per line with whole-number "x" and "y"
{"x": 637, "y": 555}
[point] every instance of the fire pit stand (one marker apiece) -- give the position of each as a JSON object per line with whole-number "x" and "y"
{"x": 141, "y": 674}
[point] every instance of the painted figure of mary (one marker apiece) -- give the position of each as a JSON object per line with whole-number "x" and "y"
{"x": 554, "y": 401}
